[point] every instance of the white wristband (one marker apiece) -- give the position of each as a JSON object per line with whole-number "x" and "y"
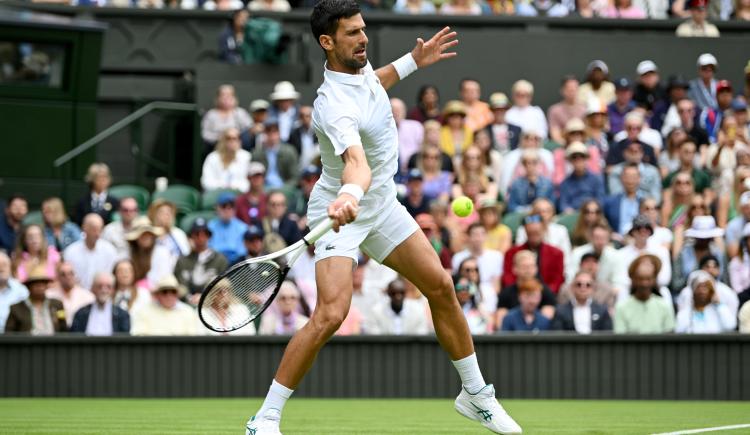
{"x": 353, "y": 190}
{"x": 404, "y": 65}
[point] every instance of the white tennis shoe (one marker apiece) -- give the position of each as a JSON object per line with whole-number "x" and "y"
{"x": 484, "y": 408}
{"x": 266, "y": 424}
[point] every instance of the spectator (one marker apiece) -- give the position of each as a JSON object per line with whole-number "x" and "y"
{"x": 226, "y": 166}
{"x": 499, "y": 235}
{"x": 127, "y": 294}
{"x": 610, "y": 269}
{"x": 11, "y": 290}
{"x": 90, "y": 254}
{"x": 668, "y": 159}
{"x": 739, "y": 266}
{"x": 398, "y": 315}
{"x": 575, "y": 131}
{"x": 706, "y": 314}
{"x": 115, "y": 231}
{"x": 410, "y": 132}
{"x": 710, "y": 265}
{"x": 467, "y": 294}
{"x": 233, "y": 37}
{"x": 437, "y": 179}
{"x": 299, "y": 198}
{"x": 152, "y": 261}
{"x": 596, "y": 126}
{"x": 278, "y": 220}
{"x": 741, "y": 10}
{"x": 304, "y": 140}
{"x": 597, "y": 86}
{"x": 59, "y": 231}
{"x": 644, "y": 311}
{"x": 624, "y": 9}
{"x": 37, "y": 315}
{"x": 284, "y": 108}
{"x": 587, "y": 9}
{"x": 455, "y": 135}
{"x": 729, "y": 206}
{"x": 11, "y": 221}
{"x": 527, "y": 315}
{"x": 581, "y": 185}
{"x": 432, "y": 138}
{"x": 102, "y": 317}
{"x": 428, "y": 226}
{"x": 415, "y": 201}
{"x": 478, "y": 113}
{"x": 258, "y": 114}
{"x": 523, "y": 114}
{"x": 526, "y": 189}
{"x": 253, "y": 241}
{"x": 739, "y": 109}
{"x": 622, "y": 105}
{"x": 286, "y": 318}
{"x": 525, "y": 268}
{"x": 554, "y": 234}
{"x": 662, "y": 236}
{"x": 679, "y": 200}
{"x": 706, "y": 240}
{"x": 634, "y": 132}
{"x": 72, "y": 295}
{"x": 166, "y": 314}
{"x": 648, "y": 90}
{"x": 225, "y": 115}
{"x": 195, "y": 270}
{"x": 744, "y": 319}
{"x": 472, "y": 167}
{"x": 280, "y": 159}
{"x": 251, "y": 206}
{"x": 589, "y": 213}
{"x": 269, "y": 5}
{"x": 503, "y": 135}
{"x": 414, "y": 7}
{"x": 687, "y": 156}
{"x": 650, "y": 183}
{"x": 581, "y": 313}
{"x": 640, "y": 232}
{"x": 603, "y": 293}
{"x": 696, "y": 207}
{"x": 703, "y": 88}
{"x": 512, "y": 167}
{"x": 653, "y": 8}
{"x": 559, "y": 114}
{"x": 697, "y": 25}
{"x": 98, "y": 200}
{"x": 490, "y": 155}
{"x": 666, "y": 115}
{"x": 225, "y": 305}
{"x": 549, "y": 258}
{"x": 460, "y": 7}
{"x": 163, "y": 215}
{"x": 712, "y": 118}
{"x": 548, "y": 8}
{"x": 489, "y": 263}
{"x": 227, "y": 230}
{"x": 31, "y": 251}
{"x": 428, "y": 105}
{"x": 621, "y": 208}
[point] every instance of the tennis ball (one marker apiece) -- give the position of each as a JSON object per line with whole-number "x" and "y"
{"x": 462, "y": 206}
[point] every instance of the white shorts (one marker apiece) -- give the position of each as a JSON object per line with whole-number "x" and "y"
{"x": 381, "y": 225}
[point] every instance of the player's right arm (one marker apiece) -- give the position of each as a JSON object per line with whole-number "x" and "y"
{"x": 355, "y": 176}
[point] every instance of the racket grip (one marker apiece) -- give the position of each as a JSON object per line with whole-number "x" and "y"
{"x": 318, "y": 231}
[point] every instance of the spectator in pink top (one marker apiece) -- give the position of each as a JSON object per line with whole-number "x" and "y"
{"x": 32, "y": 250}
{"x": 410, "y": 133}
{"x": 624, "y": 9}
{"x": 72, "y": 295}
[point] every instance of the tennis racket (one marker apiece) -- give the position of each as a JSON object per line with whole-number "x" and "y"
{"x": 241, "y": 294}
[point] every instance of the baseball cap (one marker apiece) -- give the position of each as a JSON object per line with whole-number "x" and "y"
{"x": 256, "y": 168}
{"x": 723, "y": 85}
{"x": 646, "y": 66}
{"x": 414, "y": 174}
{"x": 253, "y": 232}
{"x": 271, "y": 121}
{"x": 499, "y": 100}
{"x": 595, "y": 106}
{"x": 200, "y": 224}
{"x": 258, "y": 105}
{"x": 698, "y": 4}
{"x": 622, "y": 83}
{"x": 310, "y": 170}
{"x": 225, "y": 198}
{"x": 738, "y": 105}
{"x": 677, "y": 81}
{"x": 594, "y": 64}
{"x": 576, "y": 148}
{"x": 707, "y": 59}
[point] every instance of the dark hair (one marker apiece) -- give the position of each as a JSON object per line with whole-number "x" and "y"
{"x": 14, "y": 197}
{"x": 473, "y": 226}
{"x": 632, "y": 165}
{"x": 706, "y": 258}
{"x": 423, "y": 90}
{"x": 566, "y": 78}
{"x": 325, "y": 17}
{"x": 590, "y": 256}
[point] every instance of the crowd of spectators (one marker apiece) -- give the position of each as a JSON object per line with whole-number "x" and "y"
{"x": 625, "y": 206}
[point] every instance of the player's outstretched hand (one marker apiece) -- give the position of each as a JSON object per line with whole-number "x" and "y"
{"x": 434, "y": 50}
{"x": 343, "y": 210}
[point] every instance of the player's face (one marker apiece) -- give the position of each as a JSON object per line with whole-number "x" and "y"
{"x": 349, "y": 45}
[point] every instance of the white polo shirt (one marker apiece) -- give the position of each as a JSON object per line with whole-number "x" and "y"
{"x": 354, "y": 109}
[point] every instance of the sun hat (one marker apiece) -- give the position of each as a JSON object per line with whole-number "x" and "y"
{"x": 576, "y": 148}
{"x": 640, "y": 259}
{"x": 574, "y": 125}
{"x": 641, "y": 221}
{"x": 453, "y": 107}
{"x": 698, "y": 277}
{"x": 594, "y": 64}
{"x": 704, "y": 227}
{"x": 284, "y": 91}
{"x": 169, "y": 282}
{"x": 37, "y": 274}
{"x": 142, "y": 224}
{"x": 707, "y": 59}
{"x": 499, "y": 100}
{"x": 258, "y": 105}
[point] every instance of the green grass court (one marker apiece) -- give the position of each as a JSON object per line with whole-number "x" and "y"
{"x": 356, "y": 416}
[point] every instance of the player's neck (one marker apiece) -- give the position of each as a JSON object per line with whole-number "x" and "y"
{"x": 333, "y": 65}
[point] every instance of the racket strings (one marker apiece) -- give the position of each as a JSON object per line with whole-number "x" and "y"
{"x": 239, "y": 297}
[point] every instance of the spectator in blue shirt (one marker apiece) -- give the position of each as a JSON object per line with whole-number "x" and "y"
{"x": 11, "y": 291}
{"x": 581, "y": 185}
{"x": 11, "y": 220}
{"x": 528, "y": 188}
{"x": 526, "y": 316}
{"x": 621, "y": 106}
{"x": 226, "y": 230}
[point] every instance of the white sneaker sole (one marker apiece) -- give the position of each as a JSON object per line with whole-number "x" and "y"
{"x": 472, "y": 415}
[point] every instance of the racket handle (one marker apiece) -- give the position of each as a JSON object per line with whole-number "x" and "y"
{"x": 318, "y": 231}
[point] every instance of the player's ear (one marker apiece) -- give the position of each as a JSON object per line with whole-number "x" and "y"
{"x": 326, "y": 41}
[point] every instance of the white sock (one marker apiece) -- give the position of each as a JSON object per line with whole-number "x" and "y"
{"x": 471, "y": 376}
{"x": 275, "y": 400}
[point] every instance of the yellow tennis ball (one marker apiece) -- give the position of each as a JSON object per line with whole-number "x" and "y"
{"x": 462, "y": 206}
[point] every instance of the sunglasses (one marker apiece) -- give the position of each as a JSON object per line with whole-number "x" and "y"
{"x": 168, "y": 292}
{"x": 583, "y": 284}
{"x": 590, "y": 211}
{"x": 470, "y": 269}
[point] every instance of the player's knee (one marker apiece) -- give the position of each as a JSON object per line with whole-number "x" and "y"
{"x": 441, "y": 288}
{"x": 328, "y": 320}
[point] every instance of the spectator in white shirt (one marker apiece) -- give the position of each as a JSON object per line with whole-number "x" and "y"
{"x": 707, "y": 314}
{"x": 641, "y": 231}
{"x": 166, "y": 314}
{"x": 398, "y": 315}
{"x": 115, "y": 231}
{"x": 490, "y": 264}
{"x": 91, "y": 254}
{"x": 226, "y": 167}
{"x": 151, "y": 261}
{"x": 523, "y": 114}
{"x": 103, "y": 317}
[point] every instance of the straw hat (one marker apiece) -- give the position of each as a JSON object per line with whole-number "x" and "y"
{"x": 169, "y": 282}
{"x": 37, "y": 274}
{"x": 454, "y": 107}
{"x": 142, "y": 224}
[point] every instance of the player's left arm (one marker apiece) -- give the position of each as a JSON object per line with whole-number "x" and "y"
{"x": 424, "y": 54}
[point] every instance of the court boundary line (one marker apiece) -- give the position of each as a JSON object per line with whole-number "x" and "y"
{"x": 706, "y": 429}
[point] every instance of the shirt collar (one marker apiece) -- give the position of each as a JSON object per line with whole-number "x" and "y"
{"x": 347, "y": 79}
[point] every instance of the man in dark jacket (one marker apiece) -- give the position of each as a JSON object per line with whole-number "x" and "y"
{"x": 278, "y": 220}
{"x": 203, "y": 264}
{"x": 581, "y": 313}
{"x": 102, "y": 318}
{"x": 38, "y": 315}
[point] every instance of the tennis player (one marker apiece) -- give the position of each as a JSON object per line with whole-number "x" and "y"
{"x": 359, "y": 150}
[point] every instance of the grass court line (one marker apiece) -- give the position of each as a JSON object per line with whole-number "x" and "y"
{"x": 706, "y": 429}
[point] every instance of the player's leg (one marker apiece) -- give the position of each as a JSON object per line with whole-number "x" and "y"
{"x": 333, "y": 276}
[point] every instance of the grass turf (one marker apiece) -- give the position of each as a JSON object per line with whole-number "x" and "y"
{"x": 323, "y": 416}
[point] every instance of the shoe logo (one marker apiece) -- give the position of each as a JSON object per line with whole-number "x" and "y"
{"x": 330, "y": 247}
{"x": 486, "y": 415}
{"x": 251, "y": 431}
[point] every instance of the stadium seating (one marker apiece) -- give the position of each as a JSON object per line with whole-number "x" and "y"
{"x": 34, "y": 217}
{"x": 187, "y": 221}
{"x": 141, "y": 195}
{"x": 513, "y": 221}
{"x": 209, "y": 197}
{"x": 568, "y": 221}
{"x": 186, "y": 198}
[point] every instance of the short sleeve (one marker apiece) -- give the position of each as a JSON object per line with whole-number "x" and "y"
{"x": 342, "y": 129}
